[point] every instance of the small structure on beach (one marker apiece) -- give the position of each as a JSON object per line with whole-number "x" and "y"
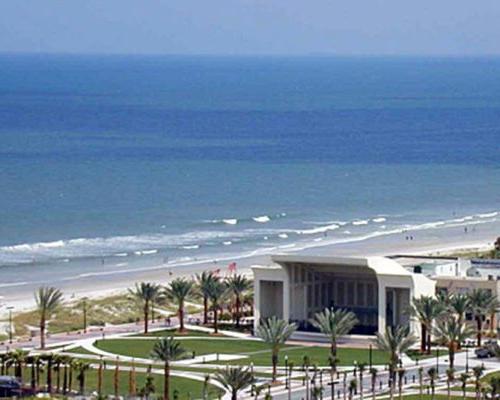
{"x": 377, "y": 289}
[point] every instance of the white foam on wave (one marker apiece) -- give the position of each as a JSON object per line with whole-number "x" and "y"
{"x": 120, "y": 254}
{"x": 145, "y": 252}
{"x": 262, "y": 219}
{"x": 360, "y": 222}
{"x": 488, "y": 215}
{"x": 190, "y": 247}
{"x": 227, "y": 243}
{"x": 283, "y": 235}
{"x": 379, "y": 219}
{"x": 230, "y": 221}
{"x": 320, "y": 229}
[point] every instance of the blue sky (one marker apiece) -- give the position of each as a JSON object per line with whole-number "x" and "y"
{"x": 437, "y": 27}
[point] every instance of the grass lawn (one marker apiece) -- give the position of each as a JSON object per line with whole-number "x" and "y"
{"x": 186, "y": 388}
{"x": 80, "y": 350}
{"x": 416, "y": 355}
{"x": 429, "y": 397}
{"x": 257, "y": 352}
{"x": 173, "y": 332}
{"x": 142, "y": 348}
{"x": 317, "y": 355}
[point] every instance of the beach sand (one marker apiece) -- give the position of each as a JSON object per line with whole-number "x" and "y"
{"x": 432, "y": 241}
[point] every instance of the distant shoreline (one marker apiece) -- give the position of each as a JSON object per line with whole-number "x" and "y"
{"x": 435, "y": 242}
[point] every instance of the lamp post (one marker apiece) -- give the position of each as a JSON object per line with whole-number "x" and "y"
{"x": 370, "y": 356}
{"x": 286, "y": 371}
{"x": 466, "y": 360}
{"x": 10, "y": 308}
{"x": 84, "y": 306}
{"x": 437, "y": 360}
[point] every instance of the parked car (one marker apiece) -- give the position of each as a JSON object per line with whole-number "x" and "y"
{"x": 10, "y": 387}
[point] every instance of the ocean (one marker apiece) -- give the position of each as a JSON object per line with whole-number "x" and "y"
{"x": 110, "y": 163}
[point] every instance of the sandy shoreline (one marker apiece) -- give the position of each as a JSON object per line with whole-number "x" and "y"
{"x": 435, "y": 242}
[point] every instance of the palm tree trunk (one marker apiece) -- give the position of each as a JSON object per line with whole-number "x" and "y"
{"x": 49, "y": 375}
{"x": 146, "y": 316}
{"x": 99, "y": 380}
{"x": 479, "y": 326}
{"x": 237, "y": 313}
{"x": 42, "y": 334}
{"x": 216, "y": 327}
{"x": 234, "y": 394}
{"x": 423, "y": 333}
{"x": 429, "y": 344}
{"x": 65, "y": 379}
{"x": 82, "y": 383}
{"x": 448, "y": 388}
{"x": 166, "y": 384}
{"x": 116, "y": 380}
{"x": 451, "y": 355}
{"x": 205, "y": 310}
{"x": 181, "y": 317}
{"x": 33, "y": 376}
{"x": 274, "y": 359}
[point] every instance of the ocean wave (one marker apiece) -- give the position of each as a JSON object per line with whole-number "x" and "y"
{"x": 379, "y": 219}
{"x": 190, "y": 247}
{"x": 283, "y": 236}
{"x": 262, "y": 219}
{"x": 360, "y": 222}
{"x": 230, "y": 221}
{"x": 488, "y": 215}
{"x": 227, "y": 243}
{"x": 320, "y": 229}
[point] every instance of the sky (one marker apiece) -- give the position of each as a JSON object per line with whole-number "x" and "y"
{"x": 244, "y": 27}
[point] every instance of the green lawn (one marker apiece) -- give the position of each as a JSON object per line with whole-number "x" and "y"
{"x": 416, "y": 355}
{"x": 142, "y": 348}
{"x": 257, "y": 352}
{"x": 429, "y": 397}
{"x": 187, "y": 388}
{"x": 80, "y": 350}
{"x": 172, "y": 332}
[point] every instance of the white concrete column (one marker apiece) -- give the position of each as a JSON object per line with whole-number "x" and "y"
{"x": 286, "y": 295}
{"x": 381, "y": 307}
{"x": 256, "y": 303}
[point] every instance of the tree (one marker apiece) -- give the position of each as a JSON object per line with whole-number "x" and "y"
{"x": 478, "y": 372}
{"x": 275, "y": 332}
{"x": 401, "y": 375}
{"x": 495, "y": 387}
{"x": 492, "y": 309}
{"x": 334, "y": 324}
{"x": 47, "y": 301}
{"x": 167, "y": 350}
{"x": 178, "y": 291}
{"x": 237, "y": 285}
{"x": 216, "y": 292}
{"x": 460, "y": 305}
{"x": 352, "y": 388}
{"x": 361, "y": 370}
{"x": 204, "y": 281}
{"x": 373, "y": 373}
{"x": 451, "y": 332}
{"x": 463, "y": 378}
{"x": 81, "y": 368}
{"x": 146, "y": 293}
{"x": 234, "y": 379}
{"x": 149, "y": 387}
{"x": 450, "y": 378}
{"x": 396, "y": 342}
{"x": 480, "y": 300}
{"x": 17, "y": 358}
{"x": 421, "y": 382}
{"x": 426, "y": 310}
{"x": 433, "y": 375}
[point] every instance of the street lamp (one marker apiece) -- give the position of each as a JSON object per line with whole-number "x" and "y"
{"x": 466, "y": 360}
{"x": 286, "y": 371}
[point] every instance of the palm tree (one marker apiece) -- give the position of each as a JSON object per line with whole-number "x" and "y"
{"x": 421, "y": 382}
{"x": 401, "y": 375}
{"x": 204, "y": 281}
{"x": 451, "y": 332}
{"x": 480, "y": 300}
{"x": 334, "y": 324}
{"x": 426, "y": 309}
{"x": 132, "y": 381}
{"x": 495, "y": 387}
{"x": 237, "y": 285}
{"x": 450, "y": 377}
{"x": 493, "y": 307}
{"x": 146, "y": 293}
{"x": 116, "y": 378}
{"x": 178, "y": 291}
{"x": 234, "y": 379}
{"x": 433, "y": 375}
{"x": 167, "y": 350}
{"x": 463, "y": 380}
{"x": 47, "y": 301}
{"x": 460, "y": 305}
{"x": 216, "y": 292}
{"x": 352, "y": 388}
{"x": 275, "y": 332}
{"x": 361, "y": 369}
{"x": 17, "y": 358}
{"x": 396, "y": 342}
{"x": 478, "y": 372}
{"x": 81, "y": 367}
{"x": 373, "y": 373}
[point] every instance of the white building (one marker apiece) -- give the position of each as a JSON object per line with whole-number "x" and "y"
{"x": 377, "y": 289}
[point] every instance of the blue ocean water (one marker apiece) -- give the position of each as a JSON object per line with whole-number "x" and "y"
{"x": 192, "y": 157}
